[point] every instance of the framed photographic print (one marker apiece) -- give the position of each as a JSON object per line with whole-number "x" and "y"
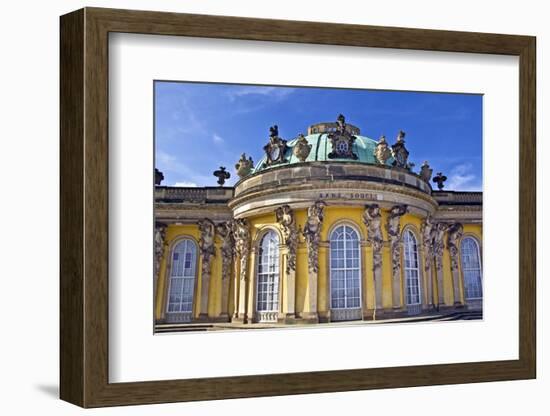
{"x": 255, "y": 207}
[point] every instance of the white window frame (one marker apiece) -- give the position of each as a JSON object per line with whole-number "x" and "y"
{"x": 274, "y": 275}
{"x": 478, "y": 268}
{"x": 193, "y": 267}
{"x": 344, "y": 269}
{"x": 407, "y": 252}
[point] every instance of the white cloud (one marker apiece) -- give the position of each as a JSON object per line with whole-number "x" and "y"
{"x": 461, "y": 178}
{"x": 276, "y": 93}
{"x": 186, "y": 184}
{"x": 217, "y": 139}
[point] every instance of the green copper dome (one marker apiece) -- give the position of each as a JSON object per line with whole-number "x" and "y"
{"x": 363, "y": 147}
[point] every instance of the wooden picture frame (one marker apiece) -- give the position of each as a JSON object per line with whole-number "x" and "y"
{"x": 84, "y": 207}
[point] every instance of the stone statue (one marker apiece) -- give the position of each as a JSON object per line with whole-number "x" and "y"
{"x": 382, "y": 151}
{"x": 160, "y": 243}
{"x": 454, "y": 234}
{"x": 206, "y": 244}
{"x": 244, "y": 166}
{"x": 312, "y": 233}
{"x": 241, "y": 235}
{"x": 372, "y": 218}
{"x": 301, "y": 148}
{"x": 285, "y": 218}
{"x": 225, "y": 232}
{"x": 393, "y": 228}
{"x": 426, "y": 172}
{"x": 400, "y": 152}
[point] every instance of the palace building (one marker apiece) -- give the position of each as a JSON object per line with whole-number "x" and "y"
{"x": 330, "y": 226}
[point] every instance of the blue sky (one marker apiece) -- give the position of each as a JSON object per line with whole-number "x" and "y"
{"x": 199, "y": 126}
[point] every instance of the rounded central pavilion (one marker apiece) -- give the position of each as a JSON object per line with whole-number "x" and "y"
{"x": 329, "y": 226}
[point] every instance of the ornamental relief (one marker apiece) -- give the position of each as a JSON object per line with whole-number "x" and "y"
{"x": 312, "y": 233}
{"x": 285, "y": 218}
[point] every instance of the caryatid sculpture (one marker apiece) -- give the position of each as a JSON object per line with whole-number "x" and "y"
{"x": 241, "y": 235}
{"x": 208, "y": 251}
{"x": 312, "y": 233}
{"x": 285, "y": 217}
{"x": 225, "y": 232}
{"x": 454, "y": 234}
{"x": 160, "y": 242}
{"x": 393, "y": 228}
{"x": 372, "y": 218}
{"x": 438, "y": 242}
{"x": 206, "y": 241}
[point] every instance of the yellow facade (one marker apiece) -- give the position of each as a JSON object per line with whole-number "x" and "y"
{"x": 333, "y": 216}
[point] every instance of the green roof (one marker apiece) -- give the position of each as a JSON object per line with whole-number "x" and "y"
{"x": 363, "y": 147}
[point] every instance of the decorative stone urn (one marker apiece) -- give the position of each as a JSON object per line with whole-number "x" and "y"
{"x": 301, "y": 148}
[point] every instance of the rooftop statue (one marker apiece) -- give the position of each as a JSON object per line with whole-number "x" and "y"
{"x": 426, "y": 172}
{"x": 400, "y": 152}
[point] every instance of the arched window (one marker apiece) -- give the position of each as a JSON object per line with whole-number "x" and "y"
{"x": 471, "y": 268}
{"x": 411, "y": 269}
{"x": 345, "y": 273}
{"x": 267, "y": 298}
{"x": 182, "y": 279}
